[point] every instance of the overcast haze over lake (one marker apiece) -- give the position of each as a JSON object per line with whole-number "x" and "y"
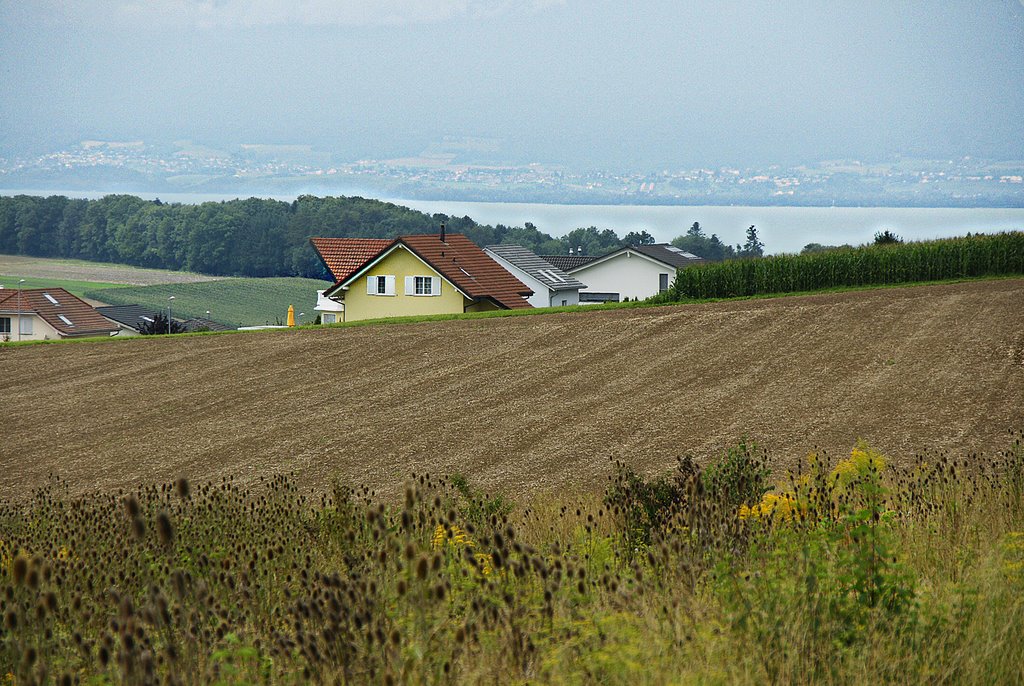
{"x": 578, "y": 82}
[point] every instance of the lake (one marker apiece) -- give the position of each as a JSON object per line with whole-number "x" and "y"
{"x": 782, "y": 229}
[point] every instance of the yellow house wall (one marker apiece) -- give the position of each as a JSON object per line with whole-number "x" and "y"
{"x": 400, "y": 263}
{"x": 481, "y": 306}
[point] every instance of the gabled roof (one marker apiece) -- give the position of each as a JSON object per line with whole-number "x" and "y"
{"x": 132, "y": 316}
{"x": 536, "y": 266}
{"x": 568, "y": 262}
{"x": 58, "y": 308}
{"x": 457, "y": 259}
{"x": 663, "y": 253}
{"x": 342, "y": 256}
{"x": 670, "y": 255}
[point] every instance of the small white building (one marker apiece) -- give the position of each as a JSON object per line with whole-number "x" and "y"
{"x": 551, "y": 286}
{"x": 634, "y": 272}
{"x": 331, "y": 311}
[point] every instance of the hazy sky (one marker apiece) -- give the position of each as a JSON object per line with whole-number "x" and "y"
{"x": 646, "y": 84}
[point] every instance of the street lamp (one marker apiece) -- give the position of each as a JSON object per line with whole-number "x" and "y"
{"x": 169, "y": 313}
{"x": 19, "y": 308}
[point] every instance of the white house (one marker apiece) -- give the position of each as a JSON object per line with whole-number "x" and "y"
{"x": 551, "y": 286}
{"x": 634, "y": 272}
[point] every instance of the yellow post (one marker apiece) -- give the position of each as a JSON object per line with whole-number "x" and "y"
{"x": 291, "y": 315}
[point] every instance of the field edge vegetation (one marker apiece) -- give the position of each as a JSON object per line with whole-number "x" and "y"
{"x": 980, "y": 255}
{"x": 848, "y": 570}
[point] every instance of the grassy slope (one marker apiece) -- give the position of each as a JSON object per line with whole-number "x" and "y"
{"x": 98, "y": 273}
{"x": 72, "y": 286}
{"x": 530, "y": 403}
{"x": 236, "y": 302}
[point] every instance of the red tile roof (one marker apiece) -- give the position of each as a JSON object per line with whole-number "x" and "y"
{"x": 85, "y": 321}
{"x": 466, "y": 265}
{"x": 343, "y": 256}
{"x": 457, "y": 259}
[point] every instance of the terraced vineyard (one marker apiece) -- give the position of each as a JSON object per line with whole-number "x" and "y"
{"x": 526, "y": 404}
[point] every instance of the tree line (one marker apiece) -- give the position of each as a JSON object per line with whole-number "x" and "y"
{"x": 264, "y": 237}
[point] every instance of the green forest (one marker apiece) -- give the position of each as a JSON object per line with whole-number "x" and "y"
{"x": 253, "y": 237}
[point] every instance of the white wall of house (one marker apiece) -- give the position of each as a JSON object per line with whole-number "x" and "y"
{"x": 569, "y": 296}
{"x": 34, "y": 328}
{"x": 629, "y": 274}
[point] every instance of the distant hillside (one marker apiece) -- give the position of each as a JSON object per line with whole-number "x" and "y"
{"x": 525, "y": 404}
{"x": 235, "y": 302}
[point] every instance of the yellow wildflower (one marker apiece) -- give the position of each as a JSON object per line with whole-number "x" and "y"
{"x": 456, "y": 537}
{"x": 782, "y": 506}
{"x": 863, "y": 460}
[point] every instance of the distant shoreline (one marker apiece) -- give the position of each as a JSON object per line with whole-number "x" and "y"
{"x": 197, "y": 197}
{"x": 782, "y": 228}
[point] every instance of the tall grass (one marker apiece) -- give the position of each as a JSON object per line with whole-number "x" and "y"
{"x": 952, "y": 258}
{"x": 848, "y": 571}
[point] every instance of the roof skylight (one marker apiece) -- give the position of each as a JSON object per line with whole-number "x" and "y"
{"x": 51, "y": 298}
{"x": 65, "y": 320}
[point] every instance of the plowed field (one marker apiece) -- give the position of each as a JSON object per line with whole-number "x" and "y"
{"x": 524, "y": 404}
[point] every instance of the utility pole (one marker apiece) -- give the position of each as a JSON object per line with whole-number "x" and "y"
{"x": 19, "y": 308}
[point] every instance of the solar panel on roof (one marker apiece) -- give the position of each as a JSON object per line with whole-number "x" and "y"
{"x": 678, "y": 251}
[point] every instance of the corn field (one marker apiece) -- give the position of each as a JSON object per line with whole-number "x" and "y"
{"x": 953, "y": 258}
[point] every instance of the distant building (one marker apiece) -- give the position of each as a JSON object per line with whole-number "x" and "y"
{"x": 551, "y": 286}
{"x": 40, "y": 314}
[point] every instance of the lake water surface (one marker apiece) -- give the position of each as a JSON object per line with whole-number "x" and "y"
{"x": 782, "y": 229}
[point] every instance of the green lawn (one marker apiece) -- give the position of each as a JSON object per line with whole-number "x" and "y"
{"x": 235, "y": 302}
{"x": 77, "y": 288}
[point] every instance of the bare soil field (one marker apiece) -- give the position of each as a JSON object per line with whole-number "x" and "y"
{"x": 525, "y": 405}
{"x": 78, "y": 270}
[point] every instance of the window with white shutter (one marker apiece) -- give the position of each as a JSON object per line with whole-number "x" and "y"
{"x": 380, "y": 285}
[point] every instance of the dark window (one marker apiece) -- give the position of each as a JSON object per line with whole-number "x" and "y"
{"x": 663, "y": 282}
{"x": 5, "y": 324}
{"x": 382, "y": 285}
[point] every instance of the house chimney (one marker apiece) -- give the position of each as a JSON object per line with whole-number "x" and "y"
{"x": 442, "y": 233}
{"x": 570, "y": 251}
{"x": 579, "y": 250}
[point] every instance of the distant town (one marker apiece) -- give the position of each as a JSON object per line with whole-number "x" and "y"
{"x": 450, "y": 173}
